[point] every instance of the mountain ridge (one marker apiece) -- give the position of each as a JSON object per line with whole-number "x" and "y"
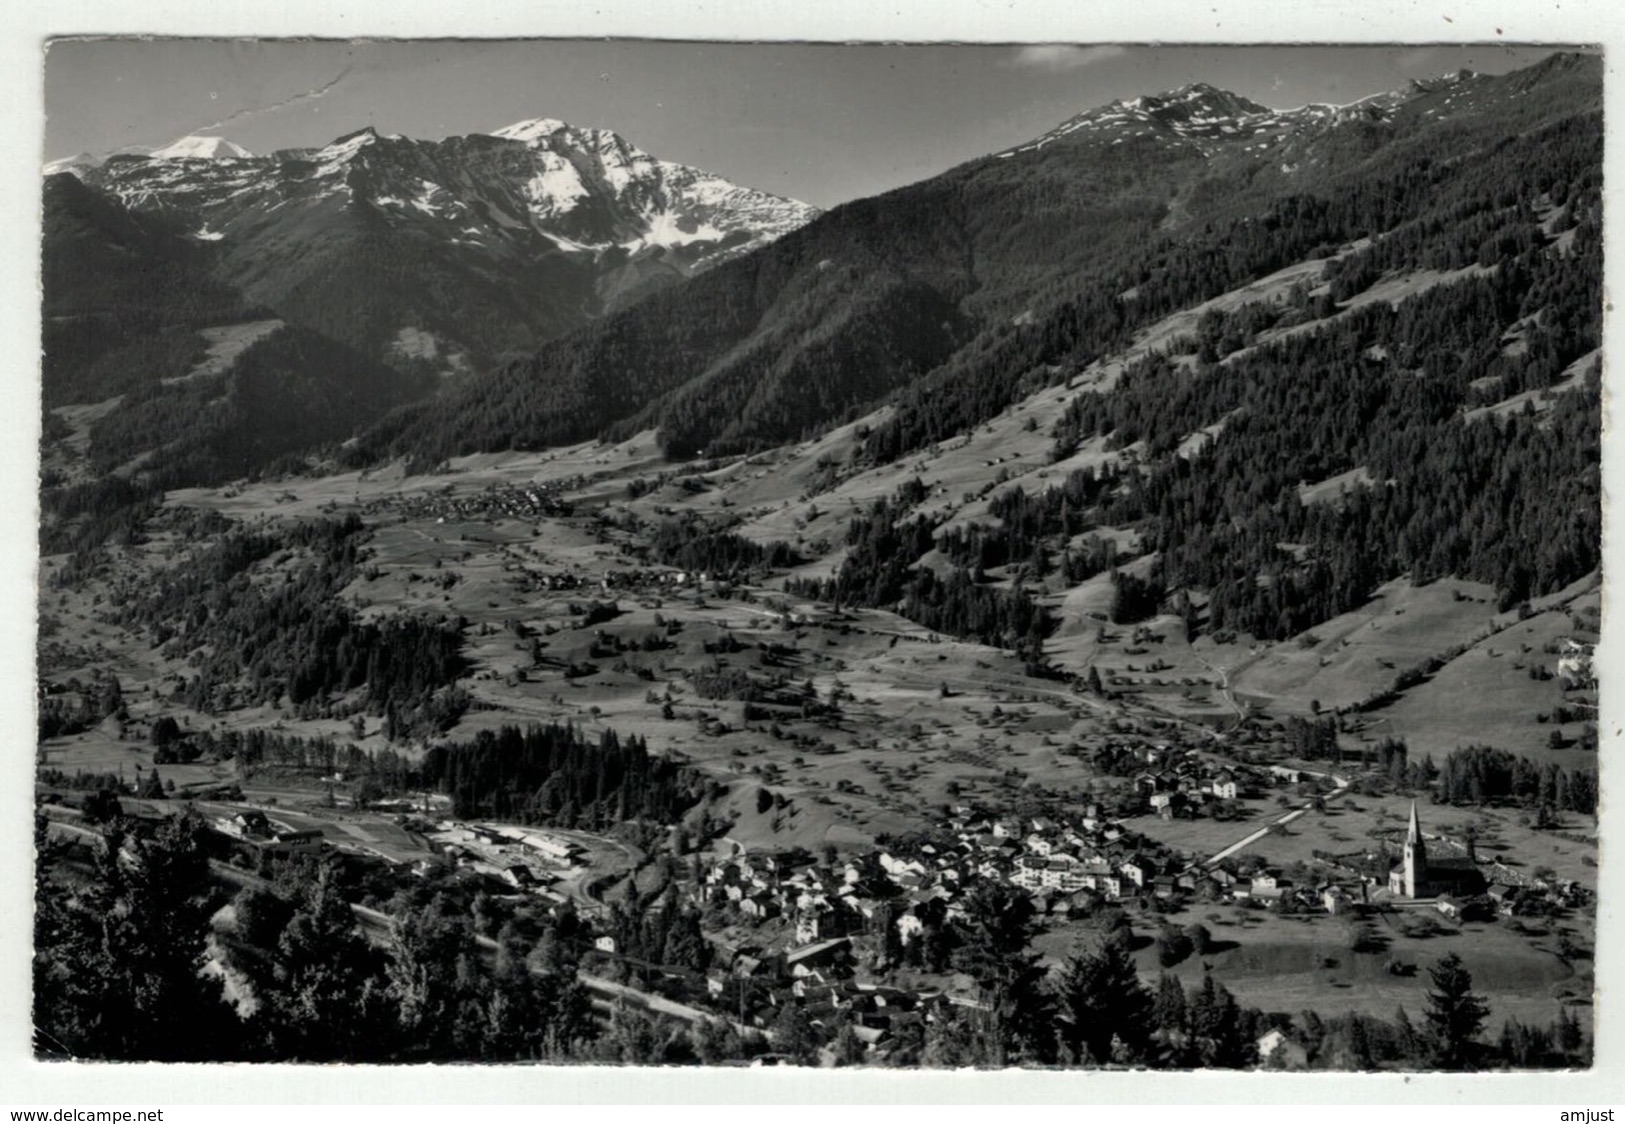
{"x": 485, "y": 244}
{"x": 1018, "y": 258}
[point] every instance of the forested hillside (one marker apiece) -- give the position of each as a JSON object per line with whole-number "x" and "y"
{"x": 286, "y": 395}
{"x": 1464, "y": 420}
{"x": 954, "y": 296}
{"x": 124, "y": 297}
{"x": 249, "y": 640}
{"x": 1513, "y": 500}
{"x": 132, "y": 315}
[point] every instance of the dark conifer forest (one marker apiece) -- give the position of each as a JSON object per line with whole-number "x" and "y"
{"x": 914, "y": 296}
{"x": 557, "y": 775}
{"x": 294, "y": 641}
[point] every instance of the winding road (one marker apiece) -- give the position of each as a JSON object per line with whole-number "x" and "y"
{"x": 1342, "y": 784}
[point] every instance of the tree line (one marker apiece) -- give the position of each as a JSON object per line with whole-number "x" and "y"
{"x": 690, "y": 544}
{"x": 556, "y": 774}
{"x": 294, "y": 641}
{"x": 1401, "y": 183}
{"x": 117, "y": 962}
{"x": 881, "y": 570}
{"x": 1514, "y": 503}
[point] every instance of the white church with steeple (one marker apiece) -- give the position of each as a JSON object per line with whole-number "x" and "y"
{"x": 1417, "y": 876}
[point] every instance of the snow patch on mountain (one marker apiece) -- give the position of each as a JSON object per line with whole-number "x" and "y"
{"x": 424, "y": 199}
{"x": 668, "y": 204}
{"x": 202, "y": 148}
{"x": 556, "y": 187}
{"x": 666, "y": 229}
{"x": 542, "y": 187}
{"x": 529, "y": 132}
{"x": 335, "y": 157}
{"x": 1207, "y": 118}
{"x": 624, "y": 165}
{"x": 570, "y": 245}
{"x": 81, "y": 163}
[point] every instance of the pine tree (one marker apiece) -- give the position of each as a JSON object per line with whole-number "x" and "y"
{"x": 794, "y": 1035}
{"x": 1406, "y": 1041}
{"x": 1103, "y": 1002}
{"x": 117, "y": 966}
{"x": 1170, "y": 1005}
{"x": 152, "y": 786}
{"x": 1570, "y": 1036}
{"x": 1216, "y": 1026}
{"x": 326, "y": 1001}
{"x": 1172, "y": 1020}
{"x": 848, "y": 1047}
{"x": 1455, "y": 1015}
{"x": 993, "y": 945}
{"x": 1359, "y": 1042}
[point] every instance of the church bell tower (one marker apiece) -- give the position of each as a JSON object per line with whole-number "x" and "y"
{"x": 1416, "y": 856}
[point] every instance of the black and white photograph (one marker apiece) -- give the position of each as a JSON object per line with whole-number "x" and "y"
{"x": 876, "y": 555}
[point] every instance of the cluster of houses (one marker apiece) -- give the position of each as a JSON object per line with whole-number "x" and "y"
{"x": 1179, "y": 782}
{"x": 506, "y": 501}
{"x": 1270, "y": 888}
{"x": 635, "y": 579}
{"x": 821, "y": 902}
{"x": 1065, "y": 865}
{"x": 818, "y": 978}
{"x": 1504, "y": 899}
{"x": 821, "y": 978}
{"x": 923, "y": 883}
{"x": 253, "y": 829}
{"x": 518, "y": 858}
{"x": 1072, "y": 866}
{"x": 640, "y": 578}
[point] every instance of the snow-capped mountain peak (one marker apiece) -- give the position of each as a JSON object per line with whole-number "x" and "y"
{"x": 1203, "y": 118}
{"x": 574, "y": 171}
{"x": 81, "y": 162}
{"x": 1200, "y": 103}
{"x": 348, "y": 145}
{"x": 1443, "y": 82}
{"x": 201, "y": 148}
{"x": 531, "y": 131}
{"x": 542, "y": 206}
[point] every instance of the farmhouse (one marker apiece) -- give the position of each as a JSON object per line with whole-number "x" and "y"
{"x": 1278, "y": 1051}
{"x": 824, "y": 954}
{"x": 1574, "y": 665}
{"x": 256, "y": 830}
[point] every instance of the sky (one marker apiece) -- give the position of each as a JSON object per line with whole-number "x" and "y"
{"x": 820, "y": 123}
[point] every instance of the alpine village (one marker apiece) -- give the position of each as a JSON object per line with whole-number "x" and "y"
{"x": 1127, "y": 601}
